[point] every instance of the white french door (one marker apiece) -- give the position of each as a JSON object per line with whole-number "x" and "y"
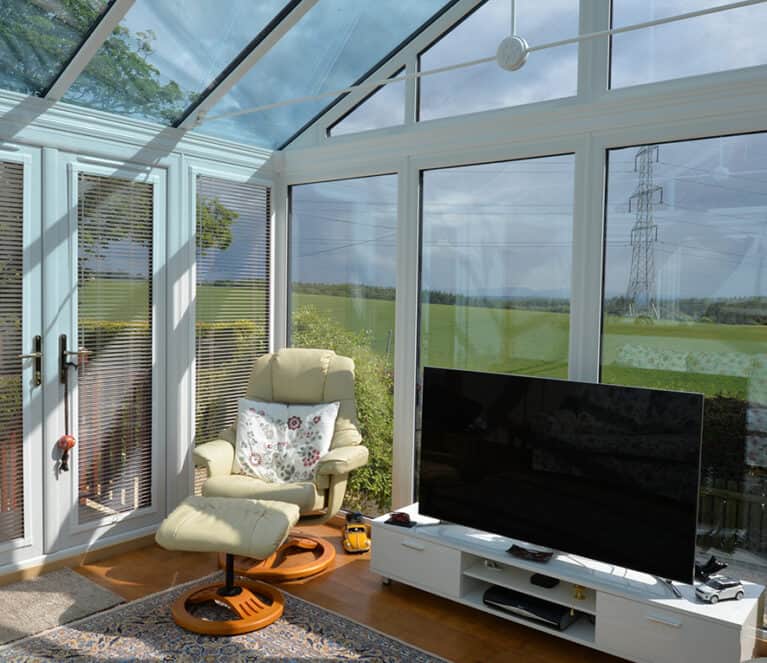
{"x": 104, "y": 288}
{"x": 21, "y": 391}
{"x": 82, "y": 287}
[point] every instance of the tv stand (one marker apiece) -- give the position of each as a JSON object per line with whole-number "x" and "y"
{"x": 623, "y": 612}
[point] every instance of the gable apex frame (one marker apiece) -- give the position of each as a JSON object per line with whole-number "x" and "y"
{"x": 402, "y": 56}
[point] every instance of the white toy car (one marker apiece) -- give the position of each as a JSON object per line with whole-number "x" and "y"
{"x": 719, "y": 588}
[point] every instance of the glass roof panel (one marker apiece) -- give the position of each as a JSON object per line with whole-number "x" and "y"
{"x": 331, "y": 47}
{"x": 38, "y": 38}
{"x": 163, "y": 54}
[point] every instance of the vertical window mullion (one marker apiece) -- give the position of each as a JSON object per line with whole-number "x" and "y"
{"x": 586, "y": 293}
{"x": 593, "y": 54}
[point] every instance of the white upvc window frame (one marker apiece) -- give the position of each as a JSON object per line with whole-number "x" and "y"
{"x": 595, "y": 120}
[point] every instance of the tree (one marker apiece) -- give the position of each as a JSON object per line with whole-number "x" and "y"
{"x": 369, "y": 487}
{"x": 38, "y": 37}
{"x": 214, "y": 223}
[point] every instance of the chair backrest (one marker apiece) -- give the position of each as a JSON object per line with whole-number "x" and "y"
{"x": 303, "y": 375}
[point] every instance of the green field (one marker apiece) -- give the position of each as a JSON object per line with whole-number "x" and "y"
{"x": 536, "y": 342}
{"x": 492, "y": 339}
{"x": 125, "y": 300}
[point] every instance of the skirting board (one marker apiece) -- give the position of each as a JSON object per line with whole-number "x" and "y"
{"x": 78, "y": 559}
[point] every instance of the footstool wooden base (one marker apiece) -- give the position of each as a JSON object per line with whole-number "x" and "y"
{"x": 254, "y": 603}
{"x": 237, "y": 527}
{"x": 278, "y": 566}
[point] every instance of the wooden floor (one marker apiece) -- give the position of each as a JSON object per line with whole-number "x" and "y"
{"x": 443, "y": 627}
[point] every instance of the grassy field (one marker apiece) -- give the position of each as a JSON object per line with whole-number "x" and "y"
{"x": 125, "y": 300}
{"x": 503, "y": 340}
{"x": 536, "y": 342}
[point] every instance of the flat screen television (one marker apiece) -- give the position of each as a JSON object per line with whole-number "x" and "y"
{"x": 601, "y": 471}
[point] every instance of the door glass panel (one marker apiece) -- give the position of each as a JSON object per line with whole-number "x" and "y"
{"x": 114, "y": 225}
{"x": 11, "y": 420}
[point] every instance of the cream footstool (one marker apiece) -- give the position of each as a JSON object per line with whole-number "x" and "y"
{"x": 255, "y": 528}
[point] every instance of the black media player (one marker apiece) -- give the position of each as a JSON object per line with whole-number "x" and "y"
{"x": 530, "y": 607}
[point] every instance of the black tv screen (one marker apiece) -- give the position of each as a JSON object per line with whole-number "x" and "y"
{"x": 602, "y": 471}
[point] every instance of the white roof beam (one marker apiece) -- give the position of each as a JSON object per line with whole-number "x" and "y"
{"x": 87, "y": 50}
{"x": 264, "y": 43}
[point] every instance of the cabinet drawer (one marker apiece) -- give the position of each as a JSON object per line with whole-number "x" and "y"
{"x": 643, "y": 632}
{"x": 409, "y": 559}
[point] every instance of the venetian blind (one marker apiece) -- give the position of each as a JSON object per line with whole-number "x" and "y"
{"x": 232, "y": 298}
{"x": 11, "y": 419}
{"x": 114, "y": 223}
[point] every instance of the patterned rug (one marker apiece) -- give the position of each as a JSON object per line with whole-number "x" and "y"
{"x": 144, "y": 630}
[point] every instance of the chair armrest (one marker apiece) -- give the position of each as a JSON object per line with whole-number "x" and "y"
{"x": 215, "y": 456}
{"x": 342, "y": 460}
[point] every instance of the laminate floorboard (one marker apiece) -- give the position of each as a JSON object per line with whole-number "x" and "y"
{"x": 456, "y": 632}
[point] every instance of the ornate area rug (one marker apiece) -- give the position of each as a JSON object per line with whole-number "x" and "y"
{"x": 144, "y": 630}
{"x": 59, "y": 597}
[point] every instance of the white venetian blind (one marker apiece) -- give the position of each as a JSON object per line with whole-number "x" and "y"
{"x": 114, "y": 224}
{"x": 11, "y": 420}
{"x": 232, "y": 297}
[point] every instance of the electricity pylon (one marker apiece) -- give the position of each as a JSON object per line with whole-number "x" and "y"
{"x": 641, "y": 295}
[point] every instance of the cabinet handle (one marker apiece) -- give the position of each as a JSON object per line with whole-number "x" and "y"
{"x": 665, "y": 622}
{"x": 413, "y": 546}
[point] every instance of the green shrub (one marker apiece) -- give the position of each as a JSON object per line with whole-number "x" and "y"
{"x": 370, "y": 486}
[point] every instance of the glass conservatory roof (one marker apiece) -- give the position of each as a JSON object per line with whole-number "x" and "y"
{"x": 332, "y": 46}
{"x": 165, "y": 61}
{"x": 38, "y": 38}
{"x": 163, "y": 54}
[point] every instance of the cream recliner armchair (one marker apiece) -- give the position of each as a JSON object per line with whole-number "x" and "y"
{"x": 293, "y": 375}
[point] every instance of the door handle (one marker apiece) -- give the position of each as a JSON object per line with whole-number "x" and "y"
{"x": 65, "y": 354}
{"x": 37, "y": 355}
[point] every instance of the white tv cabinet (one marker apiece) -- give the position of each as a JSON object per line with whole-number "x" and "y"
{"x": 625, "y": 613}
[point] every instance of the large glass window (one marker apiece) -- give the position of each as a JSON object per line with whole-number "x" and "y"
{"x": 720, "y": 41}
{"x": 342, "y": 287}
{"x": 685, "y": 306}
{"x": 548, "y": 74}
{"x": 232, "y": 297}
{"x": 495, "y": 272}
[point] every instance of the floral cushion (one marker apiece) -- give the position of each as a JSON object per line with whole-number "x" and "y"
{"x": 282, "y": 443}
